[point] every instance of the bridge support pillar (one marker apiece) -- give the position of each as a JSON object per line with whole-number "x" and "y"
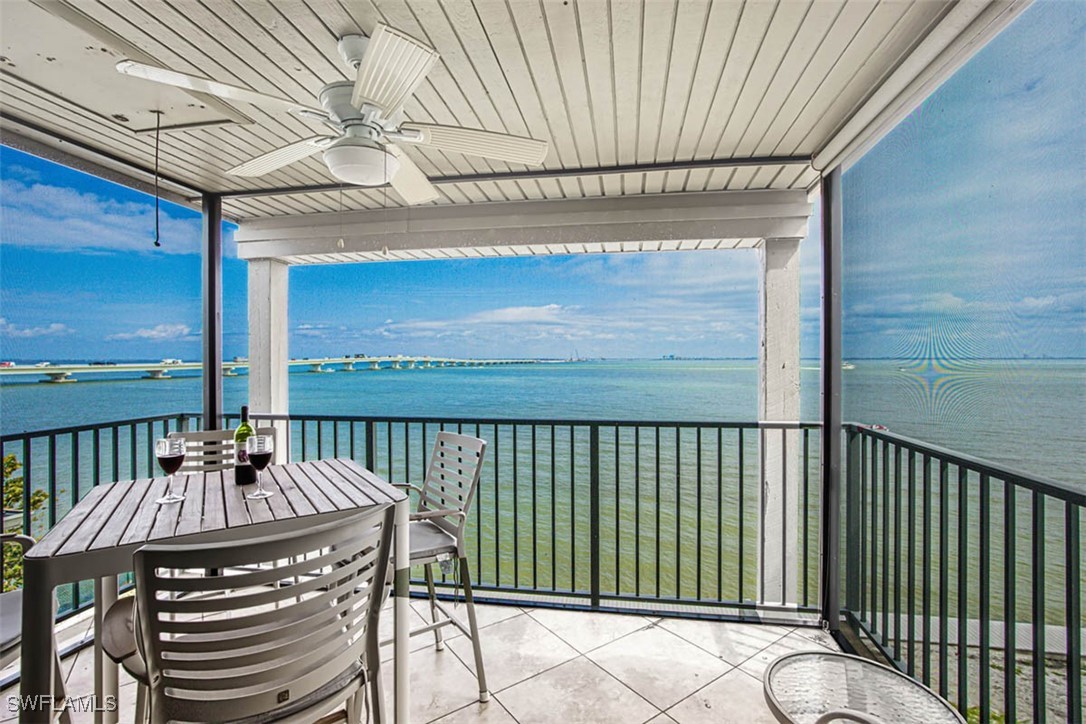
{"x": 157, "y": 375}
{"x": 348, "y": 366}
{"x": 375, "y": 365}
{"x": 778, "y": 400}
{"x": 268, "y": 353}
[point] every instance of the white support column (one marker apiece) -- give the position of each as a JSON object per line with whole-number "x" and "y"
{"x": 268, "y": 352}
{"x": 778, "y": 400}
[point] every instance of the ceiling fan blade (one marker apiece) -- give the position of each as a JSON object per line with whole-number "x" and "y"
{"x": 280, "y": 157}
{"x": 472, "y": 141}
{"x": 212, "y": 87}
{"x": 393, "y": 66}
{"x": 410, "y": 182}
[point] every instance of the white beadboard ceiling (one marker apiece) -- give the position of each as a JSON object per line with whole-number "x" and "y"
{"x": 606, "y": 82}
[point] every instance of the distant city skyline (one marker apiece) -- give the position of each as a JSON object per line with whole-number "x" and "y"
{"x": 965, "y": 235}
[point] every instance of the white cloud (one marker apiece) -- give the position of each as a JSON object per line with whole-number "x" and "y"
{"x": 49, "y": 330}
{"x": 158, "y": 333}
{"x": 63, "y": 219}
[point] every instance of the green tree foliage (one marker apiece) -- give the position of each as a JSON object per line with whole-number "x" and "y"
{"x": 13, "y": 500}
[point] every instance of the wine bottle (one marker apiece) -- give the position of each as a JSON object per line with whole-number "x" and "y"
{"x": 244, "y": 474}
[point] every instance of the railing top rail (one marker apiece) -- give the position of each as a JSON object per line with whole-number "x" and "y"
{"x": 1054, "y": 488}
{"x": 28, "y": 434}
{"x": 749, "y": 425}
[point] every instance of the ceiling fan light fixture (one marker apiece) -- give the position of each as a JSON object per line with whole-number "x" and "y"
{"x": 361, "y": 162}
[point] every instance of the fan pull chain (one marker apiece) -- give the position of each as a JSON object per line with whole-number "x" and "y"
{"x": 158, "y": 129}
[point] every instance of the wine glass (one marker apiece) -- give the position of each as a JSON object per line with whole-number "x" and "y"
{"x": 260, "y": 449}
{"x": 171, "y": 454}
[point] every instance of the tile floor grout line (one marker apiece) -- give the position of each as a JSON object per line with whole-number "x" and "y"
{"x": 585, "y": 653}
{"x": 711, "y": 653}
{"x": 637, "y": 693}
{"x": 495, "y": 692}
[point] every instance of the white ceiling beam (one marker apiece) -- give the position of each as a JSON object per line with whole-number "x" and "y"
{"x": 530, "y": 224}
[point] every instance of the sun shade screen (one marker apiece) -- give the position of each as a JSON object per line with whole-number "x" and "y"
{"x": 392, "y": 68}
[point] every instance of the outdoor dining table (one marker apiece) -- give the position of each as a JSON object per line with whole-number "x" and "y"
{"x": 98, "y": 536}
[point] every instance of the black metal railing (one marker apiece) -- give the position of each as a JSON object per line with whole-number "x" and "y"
{"x": 63, "y": 464}
{"x": 967, "y": 575}
{"x": 610, "y": 512}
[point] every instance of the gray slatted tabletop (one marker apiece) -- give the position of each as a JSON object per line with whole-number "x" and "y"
{"x": 97, "y": 538}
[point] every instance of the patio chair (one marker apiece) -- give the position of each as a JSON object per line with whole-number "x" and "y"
{"x": 260, "y": 653}
{"x": 437, "y": 530}
{"x": 207, "y": 451}
{"x": 11, "y": 625}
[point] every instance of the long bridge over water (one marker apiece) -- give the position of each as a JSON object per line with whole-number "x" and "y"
{"x": 161, "y": 370}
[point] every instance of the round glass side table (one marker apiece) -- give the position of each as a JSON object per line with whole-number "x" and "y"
{"x": 818, "y": 688}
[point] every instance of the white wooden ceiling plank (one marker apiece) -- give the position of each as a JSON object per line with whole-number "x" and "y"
{"x": 852, "y": 15}
{"x": 653, "y": 182}
{"x": 753, "y": 24}
{"x": 467, "y": 56}
{"x": 904, "y": 34}
{"x": 805, "y": 42}
{"x": 763, "y": 177}
{"x": 570, "y": 188}
{"x": 533, "y": 34}
{"x": 688, "y": 48}
{"x": 674, "y": 181}
{"x": 612, "y": 185}
{"x": 540, "y": 113}
{"x": 596, "y": 39}
{"x": 563, "y": 30}
{"x": 173, "y": 41}
{"x": 550, "y": 188}
{"x": 175, "y": 152}
{"x": 720, "y": 30}
{"x": 276, "y": 52}
{"x": 805, "y": 179}
{"x": 493, "y": 191}
{"x": 626, "y": 39}
{"x": 697, "y": 179}
{"x": 742, "y": 177}
{"x": 847, "y": 56}
{"x": 775, "y": 42}
{"x": 659, "y": 20}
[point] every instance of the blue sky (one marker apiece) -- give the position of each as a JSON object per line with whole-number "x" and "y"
{"x": 965, "y": 230}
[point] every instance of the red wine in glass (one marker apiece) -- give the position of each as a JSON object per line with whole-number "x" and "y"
{"x": 260, "y": 449}
{"x": 170, "y": 452}
{"x": 260, "y": 460}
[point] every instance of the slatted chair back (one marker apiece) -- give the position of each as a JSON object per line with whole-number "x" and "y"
{"x": 207, "y": 451}
{"x": 260, "y": 646}
{"x": 452, "y": 478}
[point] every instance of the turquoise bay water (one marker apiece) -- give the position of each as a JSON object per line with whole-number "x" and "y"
{"x": 1028, "y": 415}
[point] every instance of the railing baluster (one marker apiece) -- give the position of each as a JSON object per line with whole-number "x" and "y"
{"x": 516, "y": 514}
{"x": 572, "y": 511}
{"x": 497, "y": 511}
{"x": 925, "y": 606}
{"x": 1010, "y": 604}
{"x": 885, "y": 542}
{"x": 874, "y": 516}
{"x": 51, "y": 480}
{"x": 594, "y": 501}
{"x": 697, "y": 510}
{"x": 637, "y": 510}
{"x": 910, "y": 668}
{"x": 719, "y": 514}
{"x": 863, "y": 527}
{"x": 944, "y": 575}
{"x": 133, "y": 459}
{"x": 150, "y": 450}
{"x": 806, "y": 516}
{"x": 554, "y": 505}
{"x": 1073, "y": 612}
{"x": 535, "y": 515}
{"x": 898, "y": 588}
{"x": 658, "y": 506}
{"x": 985, "y": 596}
{"x": 742, "y": 517}
{"x": 618, "y": 517}
{"x": 1039, "y": 606}
{"x": 963, "y": 586}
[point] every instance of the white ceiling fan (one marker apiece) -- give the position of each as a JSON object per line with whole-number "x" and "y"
{"x": 366, "y": 115}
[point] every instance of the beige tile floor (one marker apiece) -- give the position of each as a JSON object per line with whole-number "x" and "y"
{"x": 548, "y": 665}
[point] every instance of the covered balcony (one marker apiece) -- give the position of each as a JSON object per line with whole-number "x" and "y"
{"x": 625, "y": 569}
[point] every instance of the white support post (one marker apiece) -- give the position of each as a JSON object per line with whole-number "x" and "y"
{"x": 778, "y": 400}
{"x": 268, "y": 352}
